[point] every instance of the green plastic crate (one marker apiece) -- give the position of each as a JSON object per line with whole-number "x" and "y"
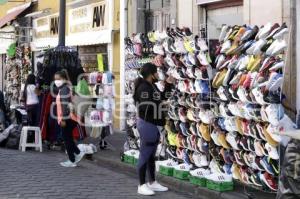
{"x": 198, "y": 181}
{"x": 167, "y": 171}
{"x": 128, "y": 159}
{"x": 135, "y": 161}
{"x": 182, "y": 175}
{"x": 219, "y": 186}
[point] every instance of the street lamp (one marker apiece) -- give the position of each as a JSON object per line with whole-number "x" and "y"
{"x": 62, "y": 23}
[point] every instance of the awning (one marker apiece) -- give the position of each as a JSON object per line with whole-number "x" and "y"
{"x": 13, "y": 13}
{"x": 45, "y": 43}
{"x": 201, "y": 2}
{"x": 89, "y": 38}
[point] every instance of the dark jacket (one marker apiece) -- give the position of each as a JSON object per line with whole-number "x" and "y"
{"x": 65, "y": 100}
{"x": 148, "y": 100}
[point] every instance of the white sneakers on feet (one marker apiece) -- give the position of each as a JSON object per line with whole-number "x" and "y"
{"x": 79, "y": 157}
{"x": 155, "y": 186}
{"x": 149, "y": 189}
{"x": 145, "y": 190}
{"x": 68, "y": 163}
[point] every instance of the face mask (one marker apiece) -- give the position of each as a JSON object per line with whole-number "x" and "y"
{"x": 154, "y": 79}
{"x": 161, "y": 76}
{"x": 58, "y": 83}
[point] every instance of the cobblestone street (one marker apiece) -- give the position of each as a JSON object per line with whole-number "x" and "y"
{"x": 34, "y": 175}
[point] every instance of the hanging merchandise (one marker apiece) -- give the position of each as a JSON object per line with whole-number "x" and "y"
{"x": 99, "y": 115}
{"x": 18, "y": 66}
{"x": 54, "y": 60}
{"x": 100, "y": 63}
{"x": 250, "y": 65}
{"x": 225, "y": 108}
{"x": 11, "y": 51}
{"x": 138, "y": 52}
{"x": 57, "y": 59}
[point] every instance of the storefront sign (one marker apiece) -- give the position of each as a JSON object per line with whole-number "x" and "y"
{"x": 46, "y": 26}
{"x": 54, "y": 24}
{"x": 93, "y": 17}
{"x": 89, "y": 24}
{"x": 45, "y": 32}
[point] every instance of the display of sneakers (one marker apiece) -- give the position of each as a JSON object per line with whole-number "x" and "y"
{"x": 228, "y": 111}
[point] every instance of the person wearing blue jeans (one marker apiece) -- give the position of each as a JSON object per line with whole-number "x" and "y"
{"x": 148, "y": 100}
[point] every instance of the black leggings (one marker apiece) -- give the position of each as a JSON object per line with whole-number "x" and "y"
{"x": 150, "y": 166}
{"x": 67, "y": 134}
{"x": 32, "y": 114}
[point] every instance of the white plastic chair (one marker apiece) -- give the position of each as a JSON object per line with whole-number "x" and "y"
{"x": 37, "y": 142}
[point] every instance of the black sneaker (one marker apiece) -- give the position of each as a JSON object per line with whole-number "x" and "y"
{"x": 272, "y": 97}
{"x": 171, "y": 151}
{"x": 255, "y": 179}
{"x": 251, "y": 144}
{"x": 251, "y": 35}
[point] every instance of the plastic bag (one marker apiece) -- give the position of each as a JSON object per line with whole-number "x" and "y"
{"x": 82, "y": 88}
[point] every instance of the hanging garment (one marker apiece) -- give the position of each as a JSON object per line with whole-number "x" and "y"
{"x": 46, "y": 113}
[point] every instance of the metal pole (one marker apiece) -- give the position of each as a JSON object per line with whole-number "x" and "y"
{"x": 62, "y": 23}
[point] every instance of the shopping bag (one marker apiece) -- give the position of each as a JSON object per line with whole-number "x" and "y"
{"x": 82, "y": 88}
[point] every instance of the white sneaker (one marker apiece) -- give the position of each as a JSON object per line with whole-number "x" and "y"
{"x": 223, "y": 33}
{"x": 155, "y": 186}
{"x": 145, "y": 190}
{"x": 218, "y": 177}
{"x": 272, "y": 152}
{"x": 200, "y": 172}
{"x": 79, "y": 157}
{"x": 259, "y": 44}
{"x": 68, "y": 163}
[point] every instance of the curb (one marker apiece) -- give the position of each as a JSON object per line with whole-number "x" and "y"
{"x": 184, "y": 186}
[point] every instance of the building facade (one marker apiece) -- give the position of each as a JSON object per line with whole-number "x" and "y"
{"x": 92, "y": 27}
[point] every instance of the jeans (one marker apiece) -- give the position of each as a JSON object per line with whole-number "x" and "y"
{"x": 67, "y": 134}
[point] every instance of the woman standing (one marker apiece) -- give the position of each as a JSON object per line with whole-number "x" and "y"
{"x": 148, "y": 100}
{"x": 66, "y": 119}
{"x": 31, "y": 99}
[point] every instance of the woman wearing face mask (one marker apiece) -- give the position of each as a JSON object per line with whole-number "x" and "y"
{"x": 148, "y": 100}
{"x": 66, "y": 119}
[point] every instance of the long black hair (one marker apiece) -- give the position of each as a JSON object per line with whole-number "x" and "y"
{"x": 30, "y": 80}
{"x": 146, "y": 70}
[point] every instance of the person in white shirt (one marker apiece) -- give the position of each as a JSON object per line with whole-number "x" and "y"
{"x": 31, "y": 100}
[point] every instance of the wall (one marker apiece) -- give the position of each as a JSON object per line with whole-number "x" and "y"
{"x": 185, "y": 11}
{"x": 260, "y": 12}
{"x": 218, "y": 17}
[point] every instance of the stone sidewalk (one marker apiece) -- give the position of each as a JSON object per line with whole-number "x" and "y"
{"x": 34, "y": 175}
